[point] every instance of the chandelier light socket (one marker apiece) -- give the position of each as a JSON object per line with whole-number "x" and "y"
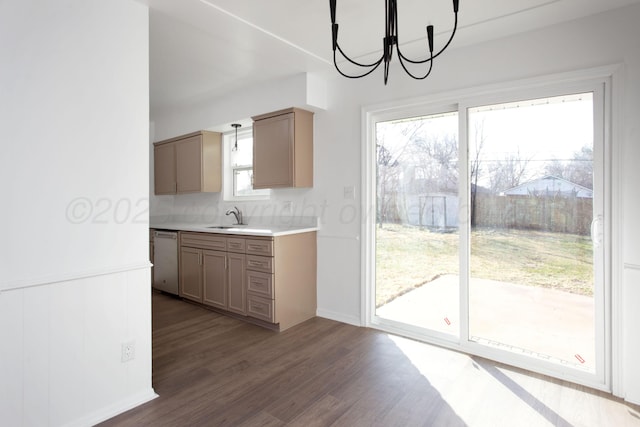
{"x": 332, "y": 6}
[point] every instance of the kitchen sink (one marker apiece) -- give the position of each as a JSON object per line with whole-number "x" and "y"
{"x": 226, "y": 227}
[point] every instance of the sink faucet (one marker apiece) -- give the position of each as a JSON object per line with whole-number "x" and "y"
{"x": 237, "y": 213}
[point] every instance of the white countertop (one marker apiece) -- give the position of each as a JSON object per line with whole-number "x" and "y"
{"x": 244, "y": 230}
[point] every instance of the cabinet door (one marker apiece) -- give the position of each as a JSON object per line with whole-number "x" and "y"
{"x": 215, "y": 278}
{"x": 189, "y": 164}
{"x": 273, "y": 151}
{"x": 164, "y": 169}
{"x": 237, "y": 283}
{"x": 191, "y": 274}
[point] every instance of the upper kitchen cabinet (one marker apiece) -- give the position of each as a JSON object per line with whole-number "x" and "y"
{"x": 188, "y": 164}
{"x": 283, "y": 149}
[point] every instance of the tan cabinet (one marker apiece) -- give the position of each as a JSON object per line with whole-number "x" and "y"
{"x": 281, "y": 279}
{"x": 164, "y": 169}
{"x": 283, "y": 149}
{"x": 236, "y": 286}
{"x": 190, "y": 274}
{"x": 214, "y": 279}
{"x": 220, "y": 277}
{"x": 272, "y": 279}
{"x": 188, "y": 164}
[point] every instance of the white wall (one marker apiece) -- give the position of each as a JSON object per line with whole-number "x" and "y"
{"x": 607, "y": 39}
{"x": 74, "y": 278}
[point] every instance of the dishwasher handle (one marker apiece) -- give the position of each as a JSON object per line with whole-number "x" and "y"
{"x": 165, "y": 235}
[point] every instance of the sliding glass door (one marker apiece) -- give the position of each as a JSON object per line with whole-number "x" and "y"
{"x": 534, "y": 212}
{"x": 417, "y": 239}
{"x": 490, "y": 233}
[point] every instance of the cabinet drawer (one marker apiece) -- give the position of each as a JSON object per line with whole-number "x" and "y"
{"x": 260, "y": 263}
{"x": 260, "y": 308}
{"x": 203, "y": 241}
{"x": 260, "y": 283}
{"x": 235, "y": 245}
{"x": 260, "y": 247}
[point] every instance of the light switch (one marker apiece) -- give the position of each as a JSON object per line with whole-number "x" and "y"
{"x": 349, "y": 192}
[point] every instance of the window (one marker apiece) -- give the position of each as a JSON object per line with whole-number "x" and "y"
{"x": 238, "y": 167}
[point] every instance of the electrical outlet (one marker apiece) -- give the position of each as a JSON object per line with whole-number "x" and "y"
{"x": 286, "y": 207}
{"x": 128, "y": 351}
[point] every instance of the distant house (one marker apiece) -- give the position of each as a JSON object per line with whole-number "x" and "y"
{"x": 550, "y": 186}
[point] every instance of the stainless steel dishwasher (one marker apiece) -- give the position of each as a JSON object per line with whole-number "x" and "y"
{"x": 165, "y": 261}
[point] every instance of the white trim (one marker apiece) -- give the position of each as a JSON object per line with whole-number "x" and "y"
{"x": 457, "y": 96}
{"x": 629, "y": 266}
{"x": 616, "y": 99}
{"x": 553, "y": 85}
{"x": 338, "y": 317}
{"x": 464, "y": 215}
{"x": 115, "y": 409}
{"x": 366, "y": 246}
{"x": 68, "y": 277}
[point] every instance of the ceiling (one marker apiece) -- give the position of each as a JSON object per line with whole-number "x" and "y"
{"x": 200, "y": 49}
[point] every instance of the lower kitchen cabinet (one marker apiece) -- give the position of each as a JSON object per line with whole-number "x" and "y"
{"x": 212, "y": 277}
{"x": 271, "y": 279}
{"x": 261, "y": 308}
{"x": 190, "y": 274}
{"x": 281, "y": 279}
{"x": 237, "y": 302}
{"x": 214, "y": 280}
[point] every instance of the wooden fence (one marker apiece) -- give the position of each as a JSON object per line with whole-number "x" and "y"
{"x": 557, "y": 214}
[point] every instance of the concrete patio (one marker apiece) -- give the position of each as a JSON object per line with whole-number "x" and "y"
{"x": 548, "y": 323}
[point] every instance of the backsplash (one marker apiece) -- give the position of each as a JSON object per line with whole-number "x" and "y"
{"x": 209, "y": 208}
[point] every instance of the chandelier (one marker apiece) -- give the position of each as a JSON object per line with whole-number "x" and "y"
{"x": 390, "y": 40}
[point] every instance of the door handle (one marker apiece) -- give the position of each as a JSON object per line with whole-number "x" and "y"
{"x": 596, "y": 231}
{"x": 165, "y": 235}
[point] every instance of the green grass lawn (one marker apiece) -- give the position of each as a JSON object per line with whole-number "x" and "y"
{"x": 408, "y": 257}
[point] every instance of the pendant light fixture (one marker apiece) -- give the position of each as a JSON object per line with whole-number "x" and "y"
{"x": 236, "y": 126}
{"x": 390, "y": 40}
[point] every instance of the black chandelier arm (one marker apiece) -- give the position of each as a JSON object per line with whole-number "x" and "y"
{"x": 402, "y": 60}
{"x": 344, "y": 55}
{"x": 431, "y": 58}
{"x": 374, "y": 66}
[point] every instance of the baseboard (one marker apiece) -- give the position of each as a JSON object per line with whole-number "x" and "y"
{"x": 115, "y": 409}
{"x": 338, "y": 317}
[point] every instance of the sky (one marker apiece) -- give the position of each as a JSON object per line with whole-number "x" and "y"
{"x": 537, "y": 130}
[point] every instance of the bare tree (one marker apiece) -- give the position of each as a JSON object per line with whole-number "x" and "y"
{"x": 387, "y": 181}
{"x": 416, "y": 162}
{"x": 438, "y": 159}
{"x": 508, "y": 173}
{"x": 578, "y": 170}
{"x": 479, "y": 140}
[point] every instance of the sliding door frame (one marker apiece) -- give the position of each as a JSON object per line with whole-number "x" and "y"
{"x": 598, "y": 81}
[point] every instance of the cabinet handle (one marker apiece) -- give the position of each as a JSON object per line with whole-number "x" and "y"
{"x": 200, "y": 258}
{"x": 175, "y": 186}
{"x": 225, "y": 263}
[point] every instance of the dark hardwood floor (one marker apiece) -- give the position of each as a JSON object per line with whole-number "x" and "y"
{"x": 212, "y": 370}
